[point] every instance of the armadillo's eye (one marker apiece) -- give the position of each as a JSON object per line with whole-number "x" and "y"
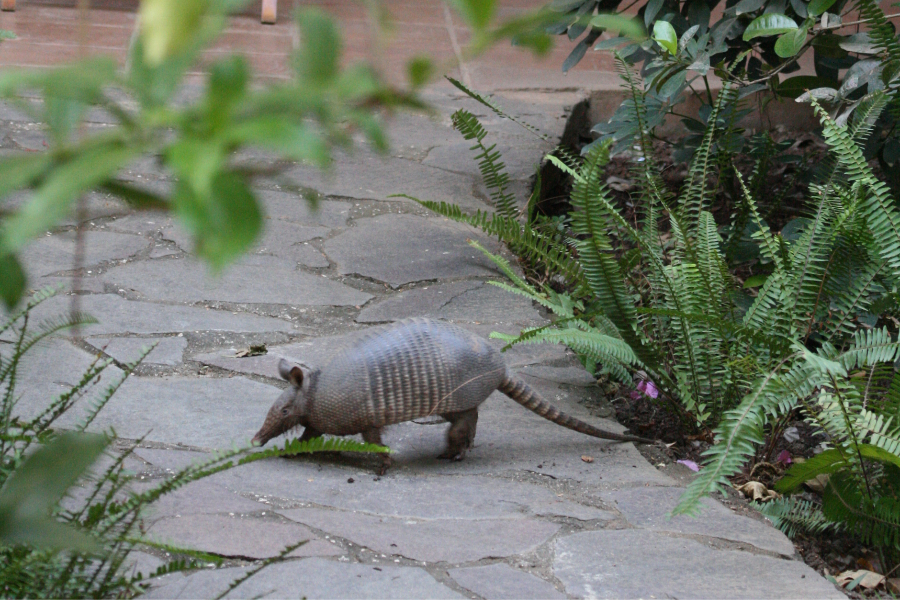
{"x": 284, "y": 412}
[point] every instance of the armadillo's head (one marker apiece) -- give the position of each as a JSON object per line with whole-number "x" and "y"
{"x": 290, "y": 409}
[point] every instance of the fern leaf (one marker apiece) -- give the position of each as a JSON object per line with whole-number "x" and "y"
{"x": 525, "y": 241}
{"x": 493, "y": 171}
{"x": 883, "y": 217}
{"x": 496, "y": 108}
{"x": 740, "y": 430}
{"x": 793, "y": 514}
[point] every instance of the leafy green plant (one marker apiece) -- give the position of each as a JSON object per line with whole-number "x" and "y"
{"x": 79, "y": 547}
{"x": 654, "y": 294}
{"x": 751, "y": 45}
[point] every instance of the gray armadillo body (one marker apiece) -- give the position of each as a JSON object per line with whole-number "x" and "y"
{"x": 409, "y": 370}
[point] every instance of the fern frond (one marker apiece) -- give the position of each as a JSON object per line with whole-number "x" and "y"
{"x": 37, "y": 298}
{"x": 493, "y": 171}
{"x": 601, "y": 270}
{"x": 523, "y": 240}
{"x": 874, "y": 519}
{"x": 696, "y": 191}
{"x": 792, "y": 515}
{"x": 824, "y": 463}
{"x": 851, "y": 300}
{"x": 883, "y": 217}
{"x": 870, "y": 346}
{"x": 319, "y": 444}
{"x": 262, "y": 565}
{"x": 496, "y": 108}
{"x": 106, "y": 395}
{"x": 741, "y": 429}
{"x": 587, "y": 342}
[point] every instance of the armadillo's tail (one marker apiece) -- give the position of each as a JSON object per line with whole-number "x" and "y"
{"x": 520, "y": 391}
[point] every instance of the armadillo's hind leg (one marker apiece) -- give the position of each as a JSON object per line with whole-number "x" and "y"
{"x": 373, "y": 436}
{"x": 461, "y": 435}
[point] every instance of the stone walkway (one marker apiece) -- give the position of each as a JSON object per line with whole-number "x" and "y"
{"x": 524, "y": 516}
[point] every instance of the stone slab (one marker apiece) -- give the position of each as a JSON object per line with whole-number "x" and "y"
{"x": 162, "y": 250}
{"x": 430, "y": 249}
{"x": 118, "y": 315}
{"x": 142, "y": 223}
{"x": 416, "y": 302}
{"x": 316, "y": 481}
{"x": 288, "y": 206}
{"x": 460, "y": 301}
{"x": 649, "y": 508}
{"x": 490, "y": 304}
{"x": 97, "y": 205}
{"x": 365, "y": 175}
{"x": 502, "y": 582}
{"x": 288, "y": 240}
{"x": 308, "y": 578}
{"x": 433, "y": 541}
{"x": 251, "y": 280}
{"x": 51, "y": 369}
{"x": 199, "y": 412}
{"x": 239, "y": 536}
{"x": 201, "y": 497}
{"x": 633, "y": 563}
{"x": 277, "y": 237}
{"x": 170, "y": 459}
{"x": 521, "y": 155}
{"x": 314, "y": 351}
{"x": 168, "y": 351}
{"x": 50, "y": 254}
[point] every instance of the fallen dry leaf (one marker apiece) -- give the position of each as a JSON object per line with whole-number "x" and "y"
{"x": 893, "y": 585}
{"x": 869, "y": 579}
{"x": 757, "y": 491}
{"x": 587, "y": 458}
{"x": 255, "y": 350}
{"x": 818, "y": 484}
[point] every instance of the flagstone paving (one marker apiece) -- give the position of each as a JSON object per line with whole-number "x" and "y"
{"x": 524, "y": 516}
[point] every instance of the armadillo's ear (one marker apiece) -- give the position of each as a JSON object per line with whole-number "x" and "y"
{"x": 290, "y": 372}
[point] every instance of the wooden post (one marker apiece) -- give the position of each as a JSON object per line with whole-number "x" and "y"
{"x": 8, "y": 5}
{"x": 269, "y": 11}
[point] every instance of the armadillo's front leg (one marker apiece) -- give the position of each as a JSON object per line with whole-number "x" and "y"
{"x": 309, "y": 433}
{"x": 373, "y": 436}
{"x": 461, "y": 435}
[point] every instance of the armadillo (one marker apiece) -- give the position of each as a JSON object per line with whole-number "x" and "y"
{"x": 411, "y": 369}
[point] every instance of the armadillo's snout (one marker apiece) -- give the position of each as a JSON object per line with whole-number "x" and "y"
{"x": 260, "y": 438}
{"x": 269, "y": 430}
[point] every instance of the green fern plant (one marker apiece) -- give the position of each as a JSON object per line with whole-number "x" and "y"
{"x": 731, "y": 362}
{"x": 82, "y": 549}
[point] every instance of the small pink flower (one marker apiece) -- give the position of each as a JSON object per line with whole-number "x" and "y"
{"x": 634, "y": 395}
{"x": 784, "y": 457}
{"x": 689, "y": 464}
{"x": 648, "y": 388}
